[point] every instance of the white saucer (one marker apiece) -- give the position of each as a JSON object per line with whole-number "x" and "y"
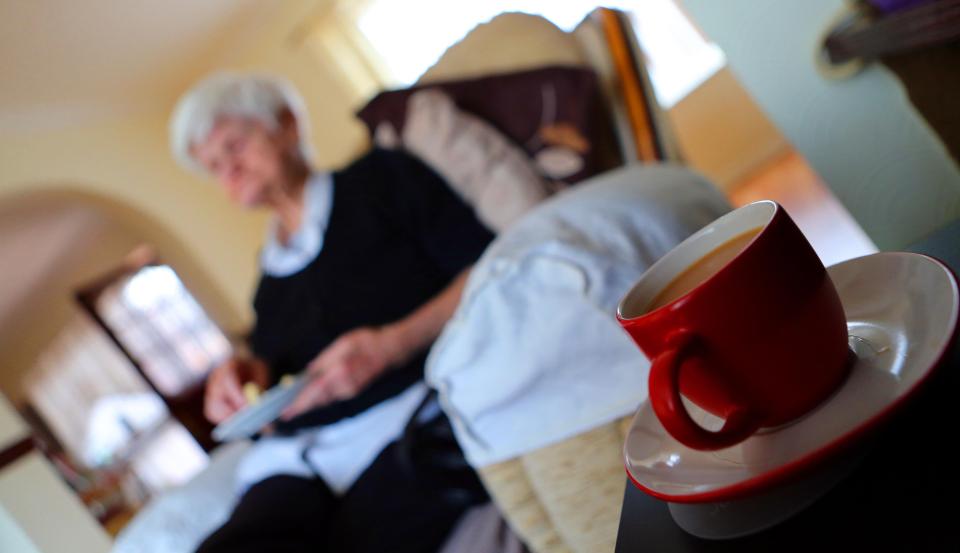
{"x": 724, "y": 520}
{"x": 901, "y": 314}
{"x": 251, "y": 419}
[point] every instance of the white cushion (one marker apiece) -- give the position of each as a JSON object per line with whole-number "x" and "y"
{"x": 534, "y": 354}
{"x": 479, "y": 163}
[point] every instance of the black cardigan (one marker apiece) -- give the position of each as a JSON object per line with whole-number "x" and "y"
{"x": 397, "y": 235}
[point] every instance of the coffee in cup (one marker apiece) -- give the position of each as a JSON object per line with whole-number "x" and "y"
{"x": 703, "y": 269}
{"x": 742, "y": 320}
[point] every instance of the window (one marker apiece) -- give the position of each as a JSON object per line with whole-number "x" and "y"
{"x": 679, "y": 57}
{"x": 162, "y": 327}
{"x": 78, "y": 370}
{"x": 120, "y": 388}
{"x": 102, "y": 412}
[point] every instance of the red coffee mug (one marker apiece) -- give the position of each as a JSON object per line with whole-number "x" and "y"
{"x": 759, "y": 343}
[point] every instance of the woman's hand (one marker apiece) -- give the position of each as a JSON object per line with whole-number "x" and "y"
{"x": 356, "y": 358}
{"x": 224, "y": 391}
{"x": 347, "y": 366}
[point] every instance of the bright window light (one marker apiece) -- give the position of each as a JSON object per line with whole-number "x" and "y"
{"x": 115, "y": 420}
{"x": 410, "y": 35}
{"x": 160, "y": 323}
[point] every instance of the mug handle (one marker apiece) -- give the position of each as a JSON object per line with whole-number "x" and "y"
{"x": 665, "y": 400}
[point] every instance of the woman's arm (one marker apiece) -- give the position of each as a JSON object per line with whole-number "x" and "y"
{"x": 417, "y": 331}
{"x": 357, "y": 357}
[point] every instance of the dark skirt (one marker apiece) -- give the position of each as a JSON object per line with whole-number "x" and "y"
{"x": 406, "y": 501}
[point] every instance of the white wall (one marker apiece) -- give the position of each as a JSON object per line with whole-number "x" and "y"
{"x": 12, "y": 537}
{"x": 46, "y": 510}
{"x": 861, "y": 135}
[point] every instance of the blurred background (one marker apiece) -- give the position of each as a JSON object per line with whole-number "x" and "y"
{"x": 125, "y": 279}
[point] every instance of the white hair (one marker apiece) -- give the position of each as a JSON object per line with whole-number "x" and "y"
{"x": 259, "y": 97}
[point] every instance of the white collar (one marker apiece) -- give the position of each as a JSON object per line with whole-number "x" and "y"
{"x": 280, "y": 260}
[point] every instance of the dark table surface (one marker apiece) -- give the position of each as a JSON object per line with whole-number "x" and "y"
{"x": 903, "y": 496}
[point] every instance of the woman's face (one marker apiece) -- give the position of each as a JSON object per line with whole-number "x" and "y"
{"x": 246, "y": 158}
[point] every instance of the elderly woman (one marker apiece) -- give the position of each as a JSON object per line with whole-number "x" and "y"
{"x": 360, "y": 270}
